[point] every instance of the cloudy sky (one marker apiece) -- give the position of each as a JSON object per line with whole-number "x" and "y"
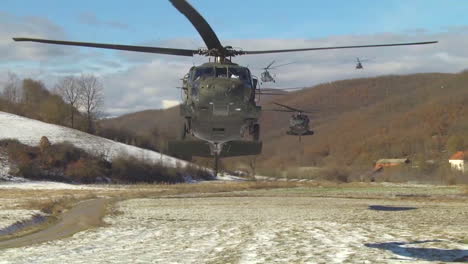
{"x": 135, "y": 81}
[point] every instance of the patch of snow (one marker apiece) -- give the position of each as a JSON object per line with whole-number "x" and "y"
{"x": 48, "y": 185}
{"x": 8, "y": 217}
{"x": 228, "y": 177}
{"x": 29, "y": 132}
{"x": 18, "y": 225}
{"x": 4, "y": 165}
{"x": 5, "y": 170}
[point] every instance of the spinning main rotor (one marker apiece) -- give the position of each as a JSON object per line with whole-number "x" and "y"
{"x": 213, "y": 45}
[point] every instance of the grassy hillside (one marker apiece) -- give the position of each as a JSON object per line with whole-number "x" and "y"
{"x": 420, "y": 116}
{"x": 149, "y": 129}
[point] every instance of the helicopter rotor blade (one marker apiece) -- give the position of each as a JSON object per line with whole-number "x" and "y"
{"x": 289, "y": 111}
{"x": 288, "y": 107}
{"x": 200, "y": 24}
{"x": 338, "y": 47}
{"x": 281, "y": 65}
{"x": 280, "y": 90}
{"x": 167, "y": 51}
{"x": 269, "y": 65}
{"x": 278, "y": 110}
{"x": 260, "y": 93}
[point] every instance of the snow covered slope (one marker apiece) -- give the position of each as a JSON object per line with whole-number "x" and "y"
{"x": 4, "y": 166}
{"x": 29, "y": 132}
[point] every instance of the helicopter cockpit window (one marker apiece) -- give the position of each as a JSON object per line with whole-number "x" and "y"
{"x": 221, "y": 72}
{"x": 295, "y": 121}
{"x": 239, "y": 73}
{"x": 203, "y": 72}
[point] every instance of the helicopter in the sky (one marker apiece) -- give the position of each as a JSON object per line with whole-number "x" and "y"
{"x": 266, "y": 75}
{"x": 219, "y": 104}
{"x": 359, "y": 62}
{"x": 299, "y": 122}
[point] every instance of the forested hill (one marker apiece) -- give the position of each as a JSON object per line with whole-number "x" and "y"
{"x": 359, "y": 121}
{"x": 420, "y": 116}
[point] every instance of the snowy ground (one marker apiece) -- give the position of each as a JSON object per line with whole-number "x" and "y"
{"x": 10, "y": 216}
{"x": 4, "y": 165}
{"x": 47, "y": 185}
{"x": 29, "y": 131}
{"x": 278, "y": 226}
{"x": 5, "y": 170}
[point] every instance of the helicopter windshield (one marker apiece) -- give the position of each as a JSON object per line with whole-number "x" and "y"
{"x": 203, "y": 72}
{"x": 240, "y": 73}
{"x": 298, "y": 119}
{"x": 221, "y": 72}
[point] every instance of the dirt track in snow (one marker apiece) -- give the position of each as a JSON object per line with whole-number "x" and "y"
{"x": 83, "y": 216}
{"x": 272, "y": 227}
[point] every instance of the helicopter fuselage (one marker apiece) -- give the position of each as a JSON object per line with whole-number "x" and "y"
{"x": 299, "y": 125}
{"x": 219, "y": 102}
{"x": 266, "y": 77}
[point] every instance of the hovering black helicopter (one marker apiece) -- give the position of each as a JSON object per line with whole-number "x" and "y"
{"x": 298, "y": 122}
{"x": 219, "y": 96}
{"x": 359, "y": 65}
{"x": 266, "y": 75}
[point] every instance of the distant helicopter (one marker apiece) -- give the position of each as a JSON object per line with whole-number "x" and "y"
{"x": 298, "y": 122}
{"x": 359, "y": 64}
{"x": 266, "y": 75}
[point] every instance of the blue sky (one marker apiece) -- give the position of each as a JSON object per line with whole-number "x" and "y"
{"x": 135, "y": 81}
{"x": 158, "y": 20}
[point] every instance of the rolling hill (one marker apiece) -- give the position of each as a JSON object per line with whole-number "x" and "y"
{"x": 420, "y": 116}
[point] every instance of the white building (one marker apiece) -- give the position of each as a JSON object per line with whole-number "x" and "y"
{"x": 457, "y": 161}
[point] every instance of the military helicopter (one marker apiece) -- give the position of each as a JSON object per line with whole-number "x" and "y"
{"x": 266, "y": 75}
{"x": 298, "y": 122}
{"x": 359, "y": 64}
{"x": 219, "y": 104}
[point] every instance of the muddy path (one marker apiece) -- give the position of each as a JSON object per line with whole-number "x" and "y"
{"x": 84, "y": 215}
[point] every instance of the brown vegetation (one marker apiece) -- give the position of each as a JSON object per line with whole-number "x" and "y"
{"x": 67, "y": 163}
{"x": 150, "y": 129}
{"x": 422, "y": 116}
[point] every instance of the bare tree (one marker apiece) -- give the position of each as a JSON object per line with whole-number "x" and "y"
{"x": 69, "y": 89}
{"x": 11, "y": 90}
{"x": 91, "y": 98}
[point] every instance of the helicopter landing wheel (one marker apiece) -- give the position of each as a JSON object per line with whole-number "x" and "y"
{"x": 216, "y": 165}
{"x": 256, "y": 132}
{"x": 183, "y": 133}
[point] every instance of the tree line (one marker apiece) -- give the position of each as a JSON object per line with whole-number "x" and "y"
{"x": 74, "y": 101}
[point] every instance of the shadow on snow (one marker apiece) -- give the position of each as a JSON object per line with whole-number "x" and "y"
{"x": 428, "y": 254}
{"x": 390, "y": 208}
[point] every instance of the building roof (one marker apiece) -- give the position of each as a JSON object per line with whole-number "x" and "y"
{"x": 393, "y": 161}
{"x": 459, "y": 155}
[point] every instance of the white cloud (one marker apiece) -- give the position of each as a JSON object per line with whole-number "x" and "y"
{"x": 138, "y": 81}
{"x": 145, "y": 86}
{"x": 34, "y": 27}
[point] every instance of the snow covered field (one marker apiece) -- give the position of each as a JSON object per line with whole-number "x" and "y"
{"x": 278, "y": 226}
{"x": 10, "y": 216}
{"x": 29, "y": 131}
